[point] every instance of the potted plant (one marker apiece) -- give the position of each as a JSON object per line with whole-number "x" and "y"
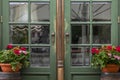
{"x": 14, "y": 57}
{"x": 106, "y": 57}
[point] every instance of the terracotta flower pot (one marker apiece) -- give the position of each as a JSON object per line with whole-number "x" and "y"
{"x": 8, "y": 68}
{"x": 111, "y": 68}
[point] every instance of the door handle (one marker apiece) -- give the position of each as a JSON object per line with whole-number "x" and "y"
{"x": 53, "y": 37}
{"x": 67, "y": 37}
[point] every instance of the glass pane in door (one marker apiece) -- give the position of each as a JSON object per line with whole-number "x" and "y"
{"x": 101, "y": 34}
{"x": 101, "y": 11}
{"x": 19, "y": 34}
{"x": 80, "y": 56}
{"x": 80, "y": 11}
{"x": 80, "y": 33}
{"x": 40, "y": 11}
{"x": 18, "y": 12}
{"x": 40, "y": 56}
{"x": 40, "y": 34}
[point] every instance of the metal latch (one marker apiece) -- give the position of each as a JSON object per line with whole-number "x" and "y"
{"x": 118, "y": 19}
{"x": 1, "y": 19}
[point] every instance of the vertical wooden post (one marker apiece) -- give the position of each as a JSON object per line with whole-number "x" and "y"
{"x": 60, "y": 40}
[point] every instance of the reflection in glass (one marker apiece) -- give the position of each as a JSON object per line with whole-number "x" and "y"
{"x": 18, "y": 34}
{"x": 40, "y": 34}
{"x": 18, "y": 11}
{"x": 80, "y": 11}
{"x": 101, "y": 34}
{"x": 80, "y": 56}
{"x": 80, "y": 34}
{"x": 101, "y": 11}
{"x": 40, "y": 12}
{"x": 40, "y": 56}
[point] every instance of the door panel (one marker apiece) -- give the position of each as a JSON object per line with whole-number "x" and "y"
{"x": 90, "y": 23}
{"x": 87, "y": 24}
{"x": 85, "y": 77}
{"x": 30, "y": 23}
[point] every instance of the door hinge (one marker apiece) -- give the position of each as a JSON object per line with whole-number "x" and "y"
{"x": 118, "y": 19}
{"x": 1, "y": 19}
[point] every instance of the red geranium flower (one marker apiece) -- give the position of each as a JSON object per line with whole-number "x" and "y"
{"x": 95, "y": 51}
{"x": 118, "y": 48}
{"x": 17, "y": 52}
{"x": 9, "y": 46}
{"x": 109, "y": 47}
{"x": 23, "y": 48}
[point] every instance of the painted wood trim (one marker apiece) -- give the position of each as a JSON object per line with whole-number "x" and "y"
{"x": 114, "y": 26}
{"x": 67, "y": 27}
{"x": 118, "y": 24}
{"x": 53, "y": 63}
{"x": 0, "y": 25}
{"x": 5, "y": 26}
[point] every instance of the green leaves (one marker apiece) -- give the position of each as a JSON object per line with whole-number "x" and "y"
{"x": 99, "y": 60}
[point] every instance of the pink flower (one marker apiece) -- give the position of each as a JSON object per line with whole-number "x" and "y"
{"x": 117, "y": 57}
{"x": 17, "y": 52}
{"x": 109, "y": 54}
{"x": 95, "y": 51}
{"x": 9, "y": 46}
{"x": 23, "y": 48}
{"x": 118, "y": 48}
{"x": 24, "y": 52}
{"x": 109, "y": 47}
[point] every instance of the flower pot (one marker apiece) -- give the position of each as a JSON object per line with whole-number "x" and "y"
{"x": 112, "y": 68}
{"x": 8, "y": 68}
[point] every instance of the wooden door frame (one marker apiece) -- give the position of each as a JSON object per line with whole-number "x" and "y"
{"x": 60, "y": 39}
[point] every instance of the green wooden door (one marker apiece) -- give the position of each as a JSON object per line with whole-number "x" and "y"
{"x": 30, "y": 23}
{"x": 0, "y": 22}
{"x": 89, "y": 23}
